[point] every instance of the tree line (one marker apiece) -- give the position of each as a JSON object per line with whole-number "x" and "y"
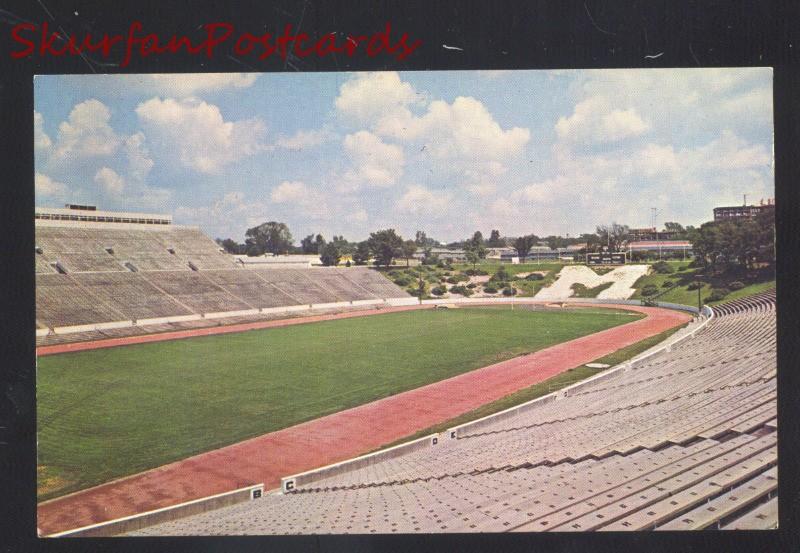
{"x": 716, "y": 244}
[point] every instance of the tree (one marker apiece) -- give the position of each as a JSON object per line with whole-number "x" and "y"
{"x": 472, "y": 257}
{"x": 385, "y": 246}
{"x": 270, "y": 237}
{"x": 428, "y": 257}
{"x": 362, "y": 253}
{"x": 330, "y": 255}
{"x": 475, "y": 249}
{"x": 344, "y": 246}
{"x": 311, "y": 244}
{"x": 494, "y": 240}
{"x": 673, "y": 227}
{"x": 719, "y": 245}
{"x": 307, "y": 244}
{"x": 523, "y": 245}
{"x": 231, "y": 246}
{"x": 408, "y": 249}
{"x": 612, "y": 235}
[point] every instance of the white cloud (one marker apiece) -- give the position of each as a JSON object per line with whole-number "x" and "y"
{"x": 49, "y": 188}
{"x": 204, "y": 141}
{"x": 87, "y": 132}
{"x": 482, "y": 188}
{"x": 304, "y": 139}
{"x": 40, "y": 139}
{"x": 595, "y": 121}
{"x": 110, "y": 182}
{"x": 463, "y": 129}
{"x": 359, "y": 215}
{"x": 375, "y": 163}
{"x": 729, "y": 152}
{"x": 232, "y": 209}
{"x": 419, "y": 200}
{"x": 369, "y": 97}
{"x": 188, "y": 84}
{"x": 289, "y": 191}
{"x": 298, "y": 196}
{"x": 139, "y": 161}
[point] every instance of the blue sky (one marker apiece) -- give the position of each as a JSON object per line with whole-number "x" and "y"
{"x": 447, "y": 152}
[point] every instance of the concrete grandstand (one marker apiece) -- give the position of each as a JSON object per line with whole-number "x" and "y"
{"x": 105, "y": 274}
{"x": 683, "y": 437}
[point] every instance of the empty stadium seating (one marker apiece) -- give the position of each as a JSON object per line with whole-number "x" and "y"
{"x": 681, "y": 439}
{"x": 100, "y": 274}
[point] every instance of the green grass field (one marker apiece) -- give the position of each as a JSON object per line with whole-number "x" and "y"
{"x": 108, "y": 413}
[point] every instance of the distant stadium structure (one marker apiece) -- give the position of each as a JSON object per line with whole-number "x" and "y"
{"x": 102, "y": 274}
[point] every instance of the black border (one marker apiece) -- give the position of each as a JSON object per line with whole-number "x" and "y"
{"x": 492, "y": 35}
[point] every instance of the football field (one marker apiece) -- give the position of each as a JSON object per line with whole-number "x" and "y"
{"x": 107, "y": 413}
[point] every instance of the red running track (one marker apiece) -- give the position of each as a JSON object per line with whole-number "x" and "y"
{"x": 338, "y": 436}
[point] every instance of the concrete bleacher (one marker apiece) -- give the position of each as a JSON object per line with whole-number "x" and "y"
{"x": 683, "y": 438}
{"x": 102, "y": 277}
{"x": 61, "y": 301}
{"x": 131, "y": 294}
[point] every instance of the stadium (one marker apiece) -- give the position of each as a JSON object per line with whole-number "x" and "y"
{"x": 180, "y": 392}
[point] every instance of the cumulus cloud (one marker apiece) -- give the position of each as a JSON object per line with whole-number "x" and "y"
{"x": 624, "y": 184}
{"x": 419, "y": 200}
{"x": 47, "y": 188}
{"x": 86, "y": 133}
{"x": 40, "y": 139}
{"x": 303, "y": 139}
{"x": 204, "y": 141}
{"x": 689, "y": 100}
{"x": 464, "y": 131}
{"x": 188, "y": 84}
{"x": 375, "y": 163}
{"x": 368, "y": 98}
{"x": 167, "y": 84}
{"x": 298, "y": 196}
{"x": 233, "y": 208}
{"x": 139, "y": 161}
{"x": 110, "y": 182}
{"x": 596, "y": 121}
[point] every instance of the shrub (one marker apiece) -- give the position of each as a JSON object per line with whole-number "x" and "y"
{"x": 663, "y": 267}
{"x": 695, "y": 285}
{"x": 463, "y": 290}
{"x": 438, "y": 290}
{"x": 649, "y": 290}
{"x": 736, "y": 285}
{"x": 490, "y": 289}
{"x": 509, "y": 291}
{"x": 472, "y": 285}
{"x": 501, "y": 275}
{"x": 441, "y": 265}
{"x": 402, "y": 281}
{"x": 452, "y": 280}
{"x": 695, "y": 264}
{"x": 475, "y": 272}
{"x": 668, "y": 284}
{"x": 718, "y": 294}
{"x": 534, "y": 276}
